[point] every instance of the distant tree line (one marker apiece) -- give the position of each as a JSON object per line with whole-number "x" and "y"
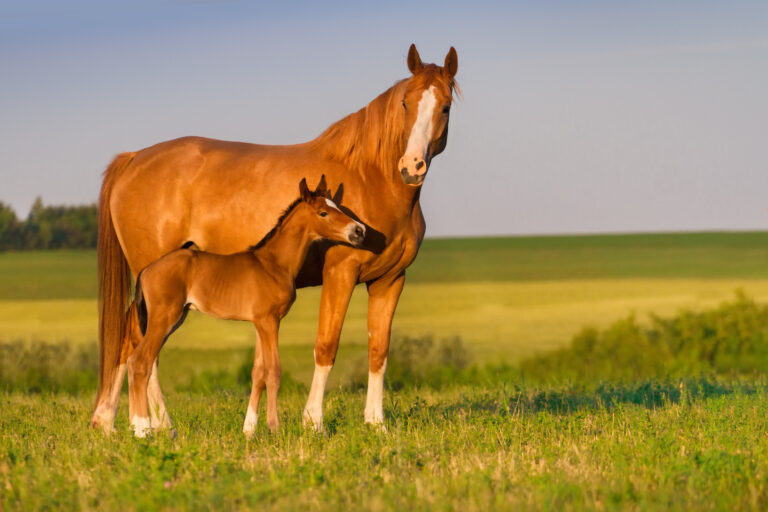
{"x": 48, "y": 227}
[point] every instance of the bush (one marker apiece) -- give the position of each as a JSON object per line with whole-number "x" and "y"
{"x": 48, "y": 367}
{"x": 418, "y": 362}
{"x": 731, "y": 339}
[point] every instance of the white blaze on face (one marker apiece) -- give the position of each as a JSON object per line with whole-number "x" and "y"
{"x": 331, "y": 204}
{"x": 421, "y": 133}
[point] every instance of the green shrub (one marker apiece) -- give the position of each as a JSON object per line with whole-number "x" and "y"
{"x": 731, "y": 339}
{"x": 39, "y": 367}
{"x": 418, "y": 362}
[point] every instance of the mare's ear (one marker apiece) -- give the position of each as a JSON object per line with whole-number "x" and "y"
{"x": 304, "y": 190}
{"x": 451, "y": 63}
{"x": 322, "y": 187}
{"x": 414, "y": 60}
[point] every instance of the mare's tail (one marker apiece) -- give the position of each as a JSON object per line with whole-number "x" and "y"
{"x": 114, "y": 283}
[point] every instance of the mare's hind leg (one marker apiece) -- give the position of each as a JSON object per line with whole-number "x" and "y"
{"x": 258, "y": 381}
{"x": 106, "y": 410}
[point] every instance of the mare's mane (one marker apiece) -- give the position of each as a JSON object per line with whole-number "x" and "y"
{"x": 375, "y": 134}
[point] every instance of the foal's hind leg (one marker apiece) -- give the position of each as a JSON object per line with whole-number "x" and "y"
{"x": 158, "y": 415}
{"x": 140, "y": 365}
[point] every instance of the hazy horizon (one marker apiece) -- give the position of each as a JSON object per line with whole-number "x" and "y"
{"x": 576, "y": 119}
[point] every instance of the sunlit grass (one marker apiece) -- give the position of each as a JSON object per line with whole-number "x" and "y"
{"x": 496, "y": 320}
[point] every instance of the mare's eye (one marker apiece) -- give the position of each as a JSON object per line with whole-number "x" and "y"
{"x": 403, "y": 102}
{"x": 446, "y": 109}
{"x": 323, "y": 214}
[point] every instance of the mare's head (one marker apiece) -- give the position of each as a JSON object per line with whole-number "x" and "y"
{"x": 325, "y": 219}
{"x": 426, "y": 102}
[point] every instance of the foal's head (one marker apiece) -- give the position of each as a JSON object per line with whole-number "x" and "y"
{"x": 323, "y": 217}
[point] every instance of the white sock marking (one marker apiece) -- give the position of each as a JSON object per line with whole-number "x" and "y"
{"x": 251, "y": 418}
{"x": 374, "y": 410}
{"x": 140, "y": 426}
{"x": 313, "y": 411}
{"x": 158, "y": 415}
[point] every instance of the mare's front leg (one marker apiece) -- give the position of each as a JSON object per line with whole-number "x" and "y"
{"x": 383, "y": 295}
{"x": 267, "y": 328}
{"x": 338, "y": 283}
{"x": 258, "y": 381}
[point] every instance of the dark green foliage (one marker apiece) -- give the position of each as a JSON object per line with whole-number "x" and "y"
{"x": 418, "y": 362}
{"x": 49, "y": 227}
{"x": 561, "y": 257}
{"x": 729, "y": 340}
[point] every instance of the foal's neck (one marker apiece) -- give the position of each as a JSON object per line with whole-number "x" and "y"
{"x": 287, "y": 249}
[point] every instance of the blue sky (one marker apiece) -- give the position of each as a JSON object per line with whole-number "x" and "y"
{"x": 576, "y": 117}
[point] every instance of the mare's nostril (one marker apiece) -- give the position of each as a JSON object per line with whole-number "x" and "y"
{"x": 419, "y": 165}
{"x": 359, "y": 231}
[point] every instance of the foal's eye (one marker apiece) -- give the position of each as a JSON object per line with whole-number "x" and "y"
{"x": 403, "y": 102}
{"x": 323, "y": 214}
{"x": 446, "y": 109}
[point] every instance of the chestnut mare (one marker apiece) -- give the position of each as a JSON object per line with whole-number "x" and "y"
{"x": 220, "y": 193}
{"x": 256, "y": 285}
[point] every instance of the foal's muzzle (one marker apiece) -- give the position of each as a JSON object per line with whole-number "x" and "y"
{"x": 356, "y": 234}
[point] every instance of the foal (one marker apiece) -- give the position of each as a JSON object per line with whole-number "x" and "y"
{"x": 256, "y": 285}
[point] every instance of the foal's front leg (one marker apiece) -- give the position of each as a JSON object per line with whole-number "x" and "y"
{"x": 258, "y": 377}
{"x": 267, "y": 328}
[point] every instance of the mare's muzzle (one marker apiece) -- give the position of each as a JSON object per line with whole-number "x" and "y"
{"x": 413, "y": 169}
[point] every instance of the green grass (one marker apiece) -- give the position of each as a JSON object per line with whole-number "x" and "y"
{"x": 483, "y": 442}
{"x": 459, "y": 449}
{"x": 72, "y": 274}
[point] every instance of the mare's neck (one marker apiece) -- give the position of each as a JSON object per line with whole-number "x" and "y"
{"x": 288, "y": 247}
{"x": 370, "y": 142}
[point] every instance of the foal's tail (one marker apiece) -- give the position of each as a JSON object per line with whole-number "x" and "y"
{"x": 114, "y": 282}
{"x": 141, "y": 305}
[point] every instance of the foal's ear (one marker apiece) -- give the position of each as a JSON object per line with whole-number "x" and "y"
{"x": 451, "y": 63}
{"x": 414, "y": 60}
{"x": 322, "y": 187}
{"x": 306, "y": 195}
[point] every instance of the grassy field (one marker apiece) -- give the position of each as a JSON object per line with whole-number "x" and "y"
{"x": 472, "y": 445}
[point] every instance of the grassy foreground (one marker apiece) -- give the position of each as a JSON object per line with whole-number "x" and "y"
{"x": 542, "y": 436}
{"x": 466, "y": 448}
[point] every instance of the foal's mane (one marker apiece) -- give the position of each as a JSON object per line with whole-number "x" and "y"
{"x": 279, "y": 223}
{"x": 375, "y": 134}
